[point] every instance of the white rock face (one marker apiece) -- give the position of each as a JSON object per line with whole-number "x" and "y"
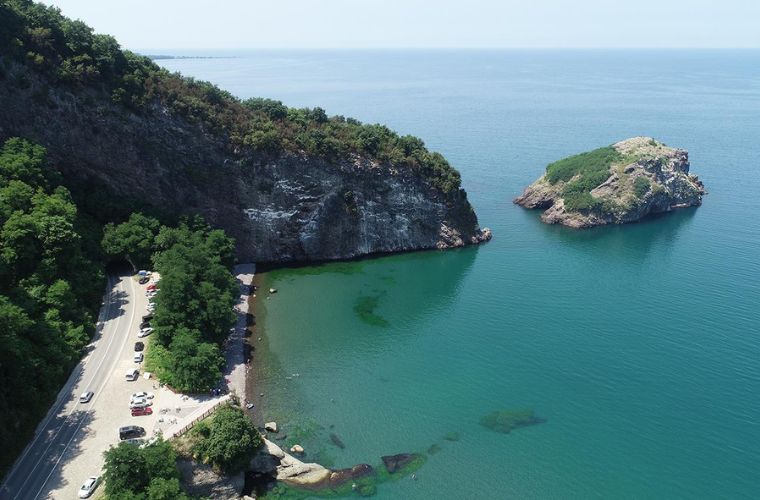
{"x": 271, "y": 426}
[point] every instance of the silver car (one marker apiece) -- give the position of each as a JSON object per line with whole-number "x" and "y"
{"x": 88, "y": 487}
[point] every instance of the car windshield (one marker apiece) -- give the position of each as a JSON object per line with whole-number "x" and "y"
{"x": 88, "y": 484}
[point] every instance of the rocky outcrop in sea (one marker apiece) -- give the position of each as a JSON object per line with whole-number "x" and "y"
{"x": 622, "y": 183}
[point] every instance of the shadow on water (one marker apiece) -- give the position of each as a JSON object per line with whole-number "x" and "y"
{"x": 380, "y": 292}
{"x": 632, "y": 241}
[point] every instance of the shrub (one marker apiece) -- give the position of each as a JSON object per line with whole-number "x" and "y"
{"x": 227, "y": 441}
{"x": 591, "y": 162}
{"x": 641, "y": 186}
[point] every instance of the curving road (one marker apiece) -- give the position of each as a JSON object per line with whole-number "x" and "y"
{"x": 73, "y": 436}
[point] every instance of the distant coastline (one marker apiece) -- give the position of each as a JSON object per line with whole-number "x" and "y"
{"x": 157, "y": 57}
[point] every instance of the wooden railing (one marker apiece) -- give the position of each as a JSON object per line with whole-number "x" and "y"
{"x": 200, "y": 417}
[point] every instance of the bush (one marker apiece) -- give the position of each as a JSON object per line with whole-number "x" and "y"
{"x": 227, "y": 440}
{"x": 131, "y": 471}
{"x": 590, "y": 163}
{"x": 641, "y": 186}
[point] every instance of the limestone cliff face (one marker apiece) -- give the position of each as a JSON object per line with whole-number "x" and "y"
{"x": 284, "y": 208}
{"x": 646, "y": 177}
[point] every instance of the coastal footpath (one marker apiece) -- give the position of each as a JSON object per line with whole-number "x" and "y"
{"x": 622, "y": 183}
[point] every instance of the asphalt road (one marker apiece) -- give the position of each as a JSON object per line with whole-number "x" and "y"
{"x": 37, "y": 472}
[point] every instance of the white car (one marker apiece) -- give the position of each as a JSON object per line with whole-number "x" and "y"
{"x": 88, "y": 487}
{"x": 140, "y": 403}
{"x": 146, "y": 395}
{"x": 86, "y": 397}
{"x": 145, "y": 332}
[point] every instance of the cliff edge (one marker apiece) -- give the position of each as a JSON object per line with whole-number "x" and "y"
{"x": 621, "y": 183}
{"x": 288, "y": 184}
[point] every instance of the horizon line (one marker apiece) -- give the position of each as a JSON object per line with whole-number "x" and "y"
{"x": 143, "y": 49}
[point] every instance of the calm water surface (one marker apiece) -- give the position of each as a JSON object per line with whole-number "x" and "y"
{"x": 639, "y": 345}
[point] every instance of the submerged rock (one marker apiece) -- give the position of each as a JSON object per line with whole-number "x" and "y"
{"x": 394, "y": 463}
{"x": 505, "y": 420}
{"x": 337, "y": 441}
{"x": 621, "y": 183}
{"x": 452, "y": 436}
{"x": 433, "y": 449}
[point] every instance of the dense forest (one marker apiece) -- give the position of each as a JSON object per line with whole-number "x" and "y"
{"x": 52, "y": 258}
{"x": 69, "y": 53}
{"x": 51, "y": 282}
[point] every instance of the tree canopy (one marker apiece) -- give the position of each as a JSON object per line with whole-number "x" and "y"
{"x": 147, "y": 473}
{"x": 50, "y": 286}
{"x": 227, "y": 440}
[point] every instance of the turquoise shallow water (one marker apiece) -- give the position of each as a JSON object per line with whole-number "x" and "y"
{"x": 640, "y": 345}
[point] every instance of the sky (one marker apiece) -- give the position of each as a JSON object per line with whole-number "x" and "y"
{"x": 247, "y": 24}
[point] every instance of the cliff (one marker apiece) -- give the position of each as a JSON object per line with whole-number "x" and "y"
{"x": 289, "y": 185}
{"x": 617, "y": 184}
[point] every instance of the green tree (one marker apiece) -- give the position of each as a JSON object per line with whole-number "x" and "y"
{"x": 166, "y": 489}
{"x": 131, "y": 240}
{"x": 150, "y": 472}
{"x": 126, "y": 470}
{"x": 190, "y": 364}
{"x": 228, "y": 440}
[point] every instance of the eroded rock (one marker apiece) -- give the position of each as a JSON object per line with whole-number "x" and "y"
{"x": 643, "y": 177}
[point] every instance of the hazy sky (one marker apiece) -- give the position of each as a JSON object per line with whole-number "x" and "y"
{"x": 176, "y": 24}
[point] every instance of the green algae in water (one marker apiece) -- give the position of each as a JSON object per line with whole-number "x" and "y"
{"x": 505, "y": 421}
{"x": 365, "y": 306}
{"x": 433, "y": 449}
{"x": 452, "y": 436}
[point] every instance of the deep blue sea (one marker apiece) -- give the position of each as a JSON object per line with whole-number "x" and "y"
{"x": 639, "y": 344}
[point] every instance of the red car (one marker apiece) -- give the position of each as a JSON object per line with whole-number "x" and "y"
{"x": 152, "y": 286}
{"x": 136, "y": 412}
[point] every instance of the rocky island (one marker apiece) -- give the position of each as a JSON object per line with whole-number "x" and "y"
{"x": 621, "y": 183}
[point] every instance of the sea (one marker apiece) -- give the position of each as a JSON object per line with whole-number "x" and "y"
{"x": 637, "y": 346}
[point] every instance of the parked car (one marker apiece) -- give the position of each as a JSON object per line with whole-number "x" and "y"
{"x": 88, "y": 486}
{"x": 142, "y": 403}
{"x": 143, "y": 280}
{"x": 139, "y": 346}
{"x": 131, "y": 431}
{"x": 145, "y": 410}
{"x": 143, "y": 394}
{"x": 152, "y": 286}
{"x": 144, "y": 324}
{"x": 147, "y": 317}
{"x": 145, "y": 332}
{"x": 86, "y": 397}
{"x": 138, "y": 358}
{"x": 132, "y": 374}
{"x": 135, "y": 441}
